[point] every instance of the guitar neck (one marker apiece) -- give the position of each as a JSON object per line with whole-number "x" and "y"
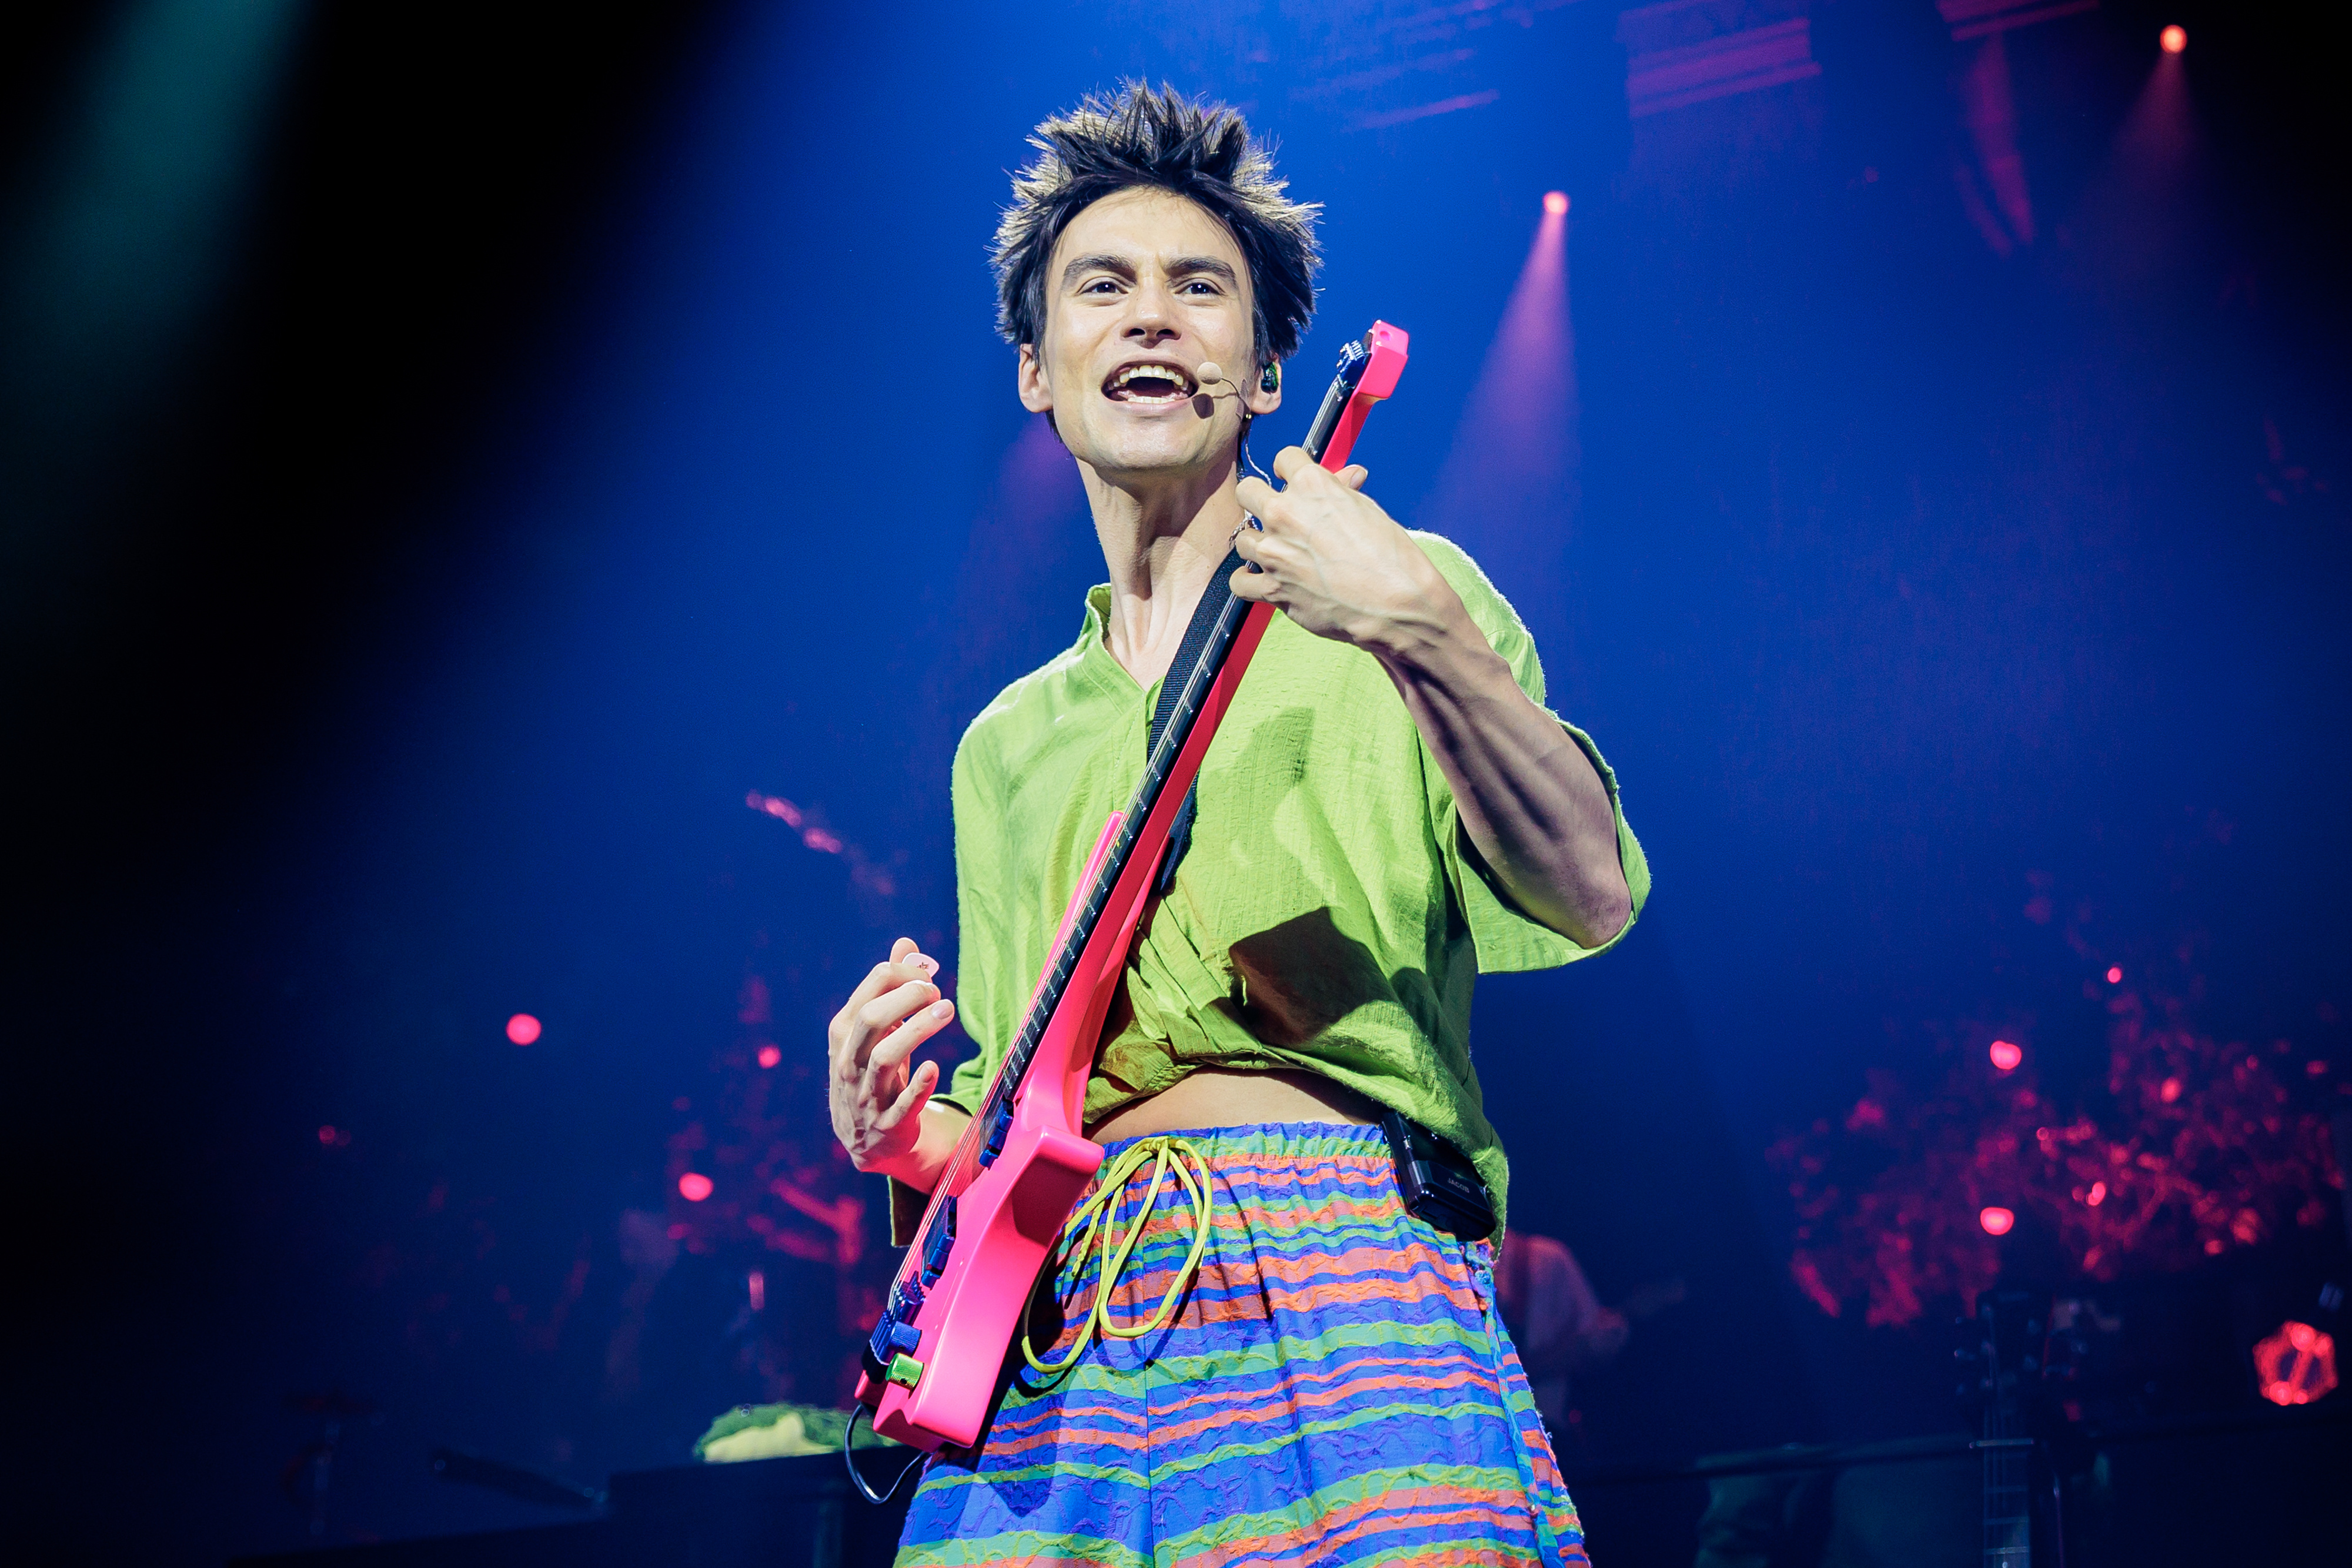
{"x": 1225, "y": 629}
{"x": 1368, "y": 372}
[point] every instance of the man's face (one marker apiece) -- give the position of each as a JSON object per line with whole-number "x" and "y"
{"x": 1144, "y": 287}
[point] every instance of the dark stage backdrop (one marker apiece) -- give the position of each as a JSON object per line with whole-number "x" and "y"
{"x": 454, "y": 459}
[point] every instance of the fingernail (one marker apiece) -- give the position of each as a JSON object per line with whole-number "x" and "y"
{"x": 942, "y": 1008}
{"x": 930, "y": 967}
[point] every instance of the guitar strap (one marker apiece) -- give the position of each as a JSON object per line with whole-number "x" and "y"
{"x": 1213, "y": 604}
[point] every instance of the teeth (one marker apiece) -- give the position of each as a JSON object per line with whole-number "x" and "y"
{"x": 1156, "y": 373}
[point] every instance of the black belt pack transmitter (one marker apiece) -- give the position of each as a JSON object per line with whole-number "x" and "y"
{"x": 1439, "y": 1183}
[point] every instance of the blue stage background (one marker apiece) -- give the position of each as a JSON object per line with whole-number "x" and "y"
{"x": 406, "y": 659}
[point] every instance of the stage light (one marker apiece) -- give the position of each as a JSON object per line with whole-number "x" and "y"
{"x": 1555, "y": 201}
{"x": 769, "y": 1056}
{"x": 2174, "y": 39}
{"x": 694, "y": 1186}
{"x": 2115, "y": 974}
{"x": 522, "y": 1028}
{"x": 2168, "y": 1091}
{"x": 327, "y": 1134}
{"x": 2296, "y": 1365}
{"x": 1996, "y": 1220}
{"x": 2097, "y": 1195}
{"x": 2006, "y": 1056}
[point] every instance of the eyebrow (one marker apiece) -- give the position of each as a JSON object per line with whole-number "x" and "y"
{"x": 1120, "y": 266}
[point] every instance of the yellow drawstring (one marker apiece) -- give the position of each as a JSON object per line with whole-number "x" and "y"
{"x": 1167, "y": 1154}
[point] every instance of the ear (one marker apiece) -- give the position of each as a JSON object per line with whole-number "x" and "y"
{"x": 1255, "y": 398}
{"x": 1036, "y": 395}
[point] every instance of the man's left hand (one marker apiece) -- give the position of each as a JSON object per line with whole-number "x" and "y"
{"x": 1332, "y": 560}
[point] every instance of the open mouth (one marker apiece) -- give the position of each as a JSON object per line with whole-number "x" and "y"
{"x": 1149, "y": 381}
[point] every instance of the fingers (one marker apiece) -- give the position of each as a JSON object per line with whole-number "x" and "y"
{"x": 911, "y": 1099}
{"x": 906, "y": 962}
{"x": 902, "y": 1040}
{"x": 891, "y": 990}
{"x": 878, "y": 1079}
{"x": 875, "y": 1021}
{"x": 1293, "y": 467}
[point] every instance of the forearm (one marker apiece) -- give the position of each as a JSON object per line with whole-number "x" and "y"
{"x": 1531, "y": 804}
{"x": 938, "y": 1128}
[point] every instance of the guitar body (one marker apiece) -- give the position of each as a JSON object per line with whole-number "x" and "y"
{"x": 931, "y": 1369}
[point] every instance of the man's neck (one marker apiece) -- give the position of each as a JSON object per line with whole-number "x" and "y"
{"x": 1163, "y": 537}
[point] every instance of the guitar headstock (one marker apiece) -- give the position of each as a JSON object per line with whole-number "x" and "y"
{"x": 1385, "y": 349}
{"x": 1368, "y": 369}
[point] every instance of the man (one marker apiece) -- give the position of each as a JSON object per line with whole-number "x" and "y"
{"x": 1386, "y": 811}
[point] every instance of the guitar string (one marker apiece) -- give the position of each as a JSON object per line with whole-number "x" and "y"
{"x": 993, "y": 1102}
{"x": 1220, "y": 643}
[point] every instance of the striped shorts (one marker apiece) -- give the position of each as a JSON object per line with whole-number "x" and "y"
{"x": 1336, "y": 1387}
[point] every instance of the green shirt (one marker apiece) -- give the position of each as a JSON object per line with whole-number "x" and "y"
{"x": 1328, "y": 917}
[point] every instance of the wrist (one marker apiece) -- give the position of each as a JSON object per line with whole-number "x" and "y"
{"x": 1425, "y": 633}
{"x": 918, "y": 1162}
{"x": 1429, "y": 639}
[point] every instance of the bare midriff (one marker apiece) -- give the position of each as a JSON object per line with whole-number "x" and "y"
{"x": 1222, "y": 1097}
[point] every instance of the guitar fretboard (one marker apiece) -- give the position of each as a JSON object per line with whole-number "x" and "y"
{"x": 1215, "y": 626}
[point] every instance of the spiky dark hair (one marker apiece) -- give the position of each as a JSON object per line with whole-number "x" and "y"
{"x": 1158, "y": 137}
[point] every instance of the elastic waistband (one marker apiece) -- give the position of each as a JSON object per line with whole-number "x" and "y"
{"x": 1292, "y": 1140}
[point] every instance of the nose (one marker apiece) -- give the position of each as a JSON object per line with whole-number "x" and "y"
{"x": 1149, "y": 321}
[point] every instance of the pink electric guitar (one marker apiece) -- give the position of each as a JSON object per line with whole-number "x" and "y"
{"x": 932, "y": 1365}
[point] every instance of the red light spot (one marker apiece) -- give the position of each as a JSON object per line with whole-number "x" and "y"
{"x": 758, "y": 1289}
{"x": 776, "y": 806}
{"x": 694, "y": 1186}
{"x": 2174, "y": 39}
{"x": 2168, "y": 1091}
{"x": 769, "y": 1056}
{"x": 2006, "y": 1056}
{"x": 1996, "y": 1221}
{"x": 2097, "y": 1195}
{"x": 2116, "y": 975}
{"x": 2315, "y": 1069}
{"x": 1555, "y": 201}
{"x": 522, "y": 1028}
{"x": 327, "y": 1134}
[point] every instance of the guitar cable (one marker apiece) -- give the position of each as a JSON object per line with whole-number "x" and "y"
{"x": 848, "y": 1438}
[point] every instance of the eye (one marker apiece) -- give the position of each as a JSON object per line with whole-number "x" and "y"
{"x": 1202, "y": 286}
{"x": 1101, "y": 285}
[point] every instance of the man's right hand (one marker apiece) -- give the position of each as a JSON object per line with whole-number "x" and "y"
{"x": 878, "y": 1105}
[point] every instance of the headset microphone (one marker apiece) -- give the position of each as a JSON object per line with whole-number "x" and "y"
{"x": 1210, "y": 374}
